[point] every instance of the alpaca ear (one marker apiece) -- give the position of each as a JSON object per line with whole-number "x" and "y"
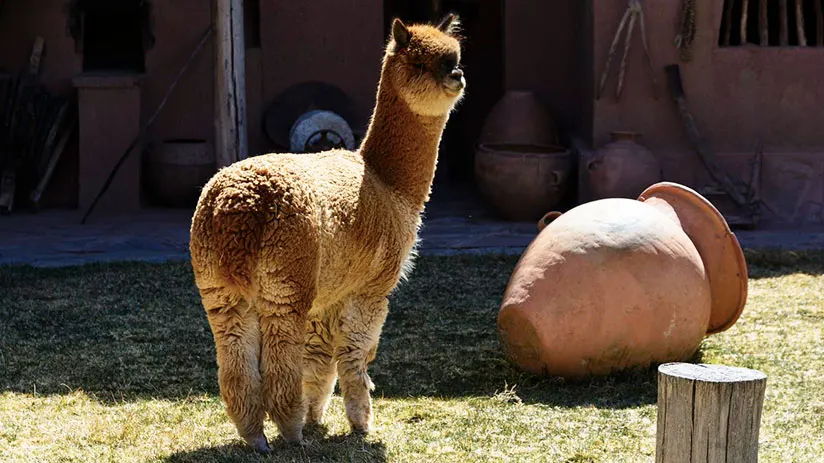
{"x": 449, "y": 23}
{"x": 400, "y": 34}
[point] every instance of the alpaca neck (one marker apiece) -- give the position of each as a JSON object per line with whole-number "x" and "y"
{"x": 401, "y": 147}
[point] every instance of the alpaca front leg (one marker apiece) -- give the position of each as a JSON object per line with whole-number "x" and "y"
{"x": 355, "y": 345}
{"x": 319, "y": 372}
{"x": 237, "y": 341}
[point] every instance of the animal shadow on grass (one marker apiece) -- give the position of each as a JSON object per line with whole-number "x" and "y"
{"x": 441, "y": 340}
{"x": 317, "y": 447}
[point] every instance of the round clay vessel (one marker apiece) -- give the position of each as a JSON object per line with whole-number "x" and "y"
{"x": 518, "y": 117}
{"x": 619, "y": 283}
{"x": 622, "y": 168}
{"x": 522, "y": 181}
{"x": 176, "y": 170}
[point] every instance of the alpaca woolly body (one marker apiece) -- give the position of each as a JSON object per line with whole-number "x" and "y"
{"x": 295, "y": 255}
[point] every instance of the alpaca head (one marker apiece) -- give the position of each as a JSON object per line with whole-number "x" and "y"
{"x": 422, "y": 65}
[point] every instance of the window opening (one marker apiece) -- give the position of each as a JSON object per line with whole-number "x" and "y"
{"x": 112, "y": 35}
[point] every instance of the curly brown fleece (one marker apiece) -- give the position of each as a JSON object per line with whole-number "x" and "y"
{"x": 295, "y": 255}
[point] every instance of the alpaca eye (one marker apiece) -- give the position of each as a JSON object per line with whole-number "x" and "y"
{"x": 447, "y": 67}
{"x": 420, "y": 67}
{"x": 448, "y": 64}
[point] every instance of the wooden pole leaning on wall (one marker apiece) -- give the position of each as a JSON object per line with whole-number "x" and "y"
{"x": 231, "y": 142}
{"x": 708, "y": 413}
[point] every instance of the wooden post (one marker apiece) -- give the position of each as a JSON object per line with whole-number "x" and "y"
{"x": 231, "y": 143}
{"x": 708, "y": 413}
{"x": 799, "y": 23}
{"x": 745, "y": 10}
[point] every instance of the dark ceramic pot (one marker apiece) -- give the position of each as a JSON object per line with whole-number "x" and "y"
{"x": 522, "y": 181}
{"x": 622, "y": 168}
{"x": 176, "y": 170}
{"x": 518, "y": 117}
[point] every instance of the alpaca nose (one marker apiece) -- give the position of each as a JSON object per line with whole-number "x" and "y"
{"x": 456, "y": 74}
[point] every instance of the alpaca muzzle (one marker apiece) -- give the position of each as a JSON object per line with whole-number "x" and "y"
{"x": 455, "y": 80}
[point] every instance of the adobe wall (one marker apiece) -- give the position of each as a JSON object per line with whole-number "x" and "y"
{"x": 327, "y": 40}
{"x": 737, "y": 95}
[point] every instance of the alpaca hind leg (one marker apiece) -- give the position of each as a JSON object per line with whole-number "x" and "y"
{"x": 319, "y": 372}
{"x": 236, "y": 334}
{"x": 283, "y": 329}
{"x": 356, "y": 342}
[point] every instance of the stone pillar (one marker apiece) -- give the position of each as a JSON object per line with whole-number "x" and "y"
{"x": 109, "y": 120}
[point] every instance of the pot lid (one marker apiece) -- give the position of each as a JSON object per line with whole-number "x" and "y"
{"x": 718, "y": 246}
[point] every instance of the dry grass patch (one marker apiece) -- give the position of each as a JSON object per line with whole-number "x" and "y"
{"x": 116, "y": 363}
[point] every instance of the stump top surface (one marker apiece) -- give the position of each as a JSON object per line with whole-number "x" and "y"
{"x": 711, "y": 373}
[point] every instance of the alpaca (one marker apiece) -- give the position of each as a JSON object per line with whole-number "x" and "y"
{"x": 295, "y": 255}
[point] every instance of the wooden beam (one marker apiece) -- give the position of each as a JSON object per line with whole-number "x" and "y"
{"x": 745, "y": 10}
{"x": 231, "y": 143}
{"x": 708, "y": 413}
{"x": 799, "y": 23}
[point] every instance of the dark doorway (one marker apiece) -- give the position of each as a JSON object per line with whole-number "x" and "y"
{"x": 113, "y": 35}
{"x": 482, "y": 59}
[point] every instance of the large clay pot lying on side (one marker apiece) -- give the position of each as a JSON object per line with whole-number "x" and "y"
{"x": 620, "y": 283}
{"x": 522, "y": 181}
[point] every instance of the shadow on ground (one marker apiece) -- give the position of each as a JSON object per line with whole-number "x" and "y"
{"x": 136, "y": 330}
{"x": 318, "y": 447}
{"x": 766, "y": 263}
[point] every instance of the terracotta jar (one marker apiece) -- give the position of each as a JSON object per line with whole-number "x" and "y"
{"x": 622, "y": 168}
{"x": 619, "y": 283}
{"x": 176, "y": 170}
{"x": 522, "y": 181}
{"x": 518, "y": 117}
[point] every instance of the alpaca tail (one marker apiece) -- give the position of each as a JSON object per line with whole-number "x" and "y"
{"x": 235, "y": 250}
{"x": 224, "y": 246}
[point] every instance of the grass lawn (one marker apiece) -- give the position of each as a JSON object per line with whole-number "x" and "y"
{"x": 116, "y": 363}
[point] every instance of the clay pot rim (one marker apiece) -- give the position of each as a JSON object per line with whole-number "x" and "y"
{"x": 733, "y": 252}
{"x": 535, "y": 149}
{"x": 625, "y": 133}
{"x": 184, "y": 141}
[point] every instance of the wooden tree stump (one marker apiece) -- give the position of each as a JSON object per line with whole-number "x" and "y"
{"x": 708, "y": 413}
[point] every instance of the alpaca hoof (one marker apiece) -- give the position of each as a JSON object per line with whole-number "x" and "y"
{"x": 260, "y": 444}
{"x": 292, "y": 437}
{"x": 360, "y": 431}
{"x": 360, "y": 418}
{"x": 360, "y": 427}
{"x": 314, "y": 417}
